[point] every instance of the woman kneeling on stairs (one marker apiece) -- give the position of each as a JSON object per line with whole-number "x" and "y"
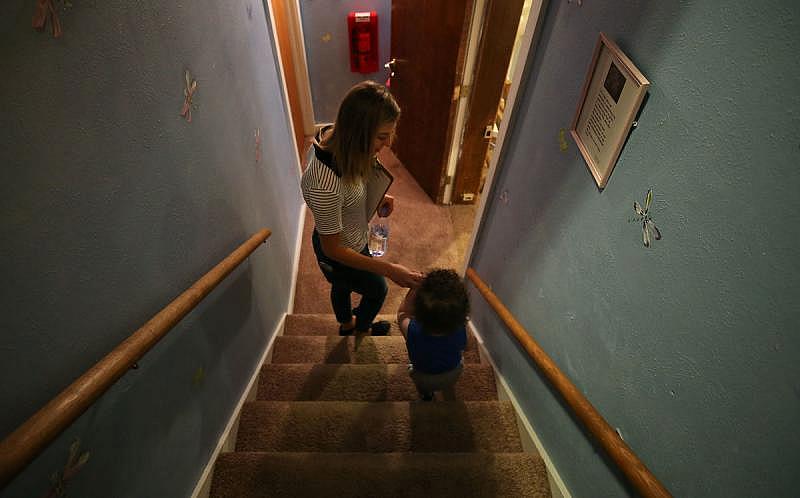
{"x": 335, "y": 186}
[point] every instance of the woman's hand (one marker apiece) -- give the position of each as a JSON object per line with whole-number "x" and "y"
{"x": 386, "y": 206}
{"x": 404, "y": 277}
{"x": 397, "y": 273}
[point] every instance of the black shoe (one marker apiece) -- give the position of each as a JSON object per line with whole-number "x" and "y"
{"x": 380, "y": 328}
{"x": 427, "y": 397}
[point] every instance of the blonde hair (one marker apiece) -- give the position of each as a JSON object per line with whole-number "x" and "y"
{"x": 364, "y": 108}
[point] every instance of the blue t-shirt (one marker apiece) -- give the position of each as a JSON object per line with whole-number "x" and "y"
{"x": 433, "y": 354}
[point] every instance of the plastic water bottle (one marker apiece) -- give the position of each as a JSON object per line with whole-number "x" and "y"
{"x": 378, "y": 236}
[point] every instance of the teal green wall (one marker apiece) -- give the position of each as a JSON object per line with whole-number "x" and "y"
{"x": 111, "y": 205}
{"x": 690, "y": 347}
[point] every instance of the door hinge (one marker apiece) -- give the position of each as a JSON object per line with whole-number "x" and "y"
{"x": 461, "y": 92}
{"x": 445, "y": 181}
{"x": 490, "y": 131}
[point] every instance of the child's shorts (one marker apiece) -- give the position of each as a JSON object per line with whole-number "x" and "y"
{"x": 429, "y": 383}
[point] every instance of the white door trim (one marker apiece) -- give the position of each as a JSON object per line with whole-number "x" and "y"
{"x": 529, "y": 38}
{"x": 478, "y": 12}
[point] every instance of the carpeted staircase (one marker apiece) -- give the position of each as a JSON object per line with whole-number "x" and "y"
{"x": 340, "y": 417}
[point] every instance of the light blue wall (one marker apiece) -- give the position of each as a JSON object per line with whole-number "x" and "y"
{"x": 690, "y": 348}
{"x": 328, "y": 49}
{"x": 112, "y": 205}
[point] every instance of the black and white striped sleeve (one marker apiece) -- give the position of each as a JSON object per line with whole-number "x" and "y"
{"x": 327, "y": 209}
{"x": 321, "y": 191}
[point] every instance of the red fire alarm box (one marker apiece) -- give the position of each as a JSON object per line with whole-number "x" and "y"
{"x": 363, "y": 30}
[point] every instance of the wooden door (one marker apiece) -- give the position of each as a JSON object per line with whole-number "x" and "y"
{"x": 426, "y": 37}
{"x": 497, "y": 42}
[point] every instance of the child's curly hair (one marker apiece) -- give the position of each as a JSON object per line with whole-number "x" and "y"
{"x": 441, "y": 304}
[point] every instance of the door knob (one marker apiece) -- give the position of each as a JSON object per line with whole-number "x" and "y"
{"x": 391, "y": 66}
{"x": 393, "y": 63}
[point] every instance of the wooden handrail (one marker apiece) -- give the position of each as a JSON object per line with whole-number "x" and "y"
{"x": 634, "y": 470}
{"x": 29, "y": 439}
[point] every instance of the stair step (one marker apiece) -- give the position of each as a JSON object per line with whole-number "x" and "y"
{"x": 349, "y": 382}
{"x": 325, "y": 324}
{"x": 347, "y": 426}
{"x": 351, "y": 349}
{"x": 253, "y": 474}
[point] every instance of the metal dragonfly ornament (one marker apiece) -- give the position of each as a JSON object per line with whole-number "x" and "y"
{"x": 59, "y": 479}
{"x": 45, "y": 10}
{"x": 650, "y": 231}
{"x": 188, "y": 93}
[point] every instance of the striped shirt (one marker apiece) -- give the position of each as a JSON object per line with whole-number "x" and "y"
{"x": 337, "y": 206}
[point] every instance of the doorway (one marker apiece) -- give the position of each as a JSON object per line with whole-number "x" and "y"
{"x": 488, "y": 42}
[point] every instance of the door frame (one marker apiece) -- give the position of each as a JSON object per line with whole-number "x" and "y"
{"x": 527, "y": 47}
{"x": 467, "y": 74}
{"x": 500, "y": 37}
{"x": 297, "y": 100}
{"x": 298, "y": 49}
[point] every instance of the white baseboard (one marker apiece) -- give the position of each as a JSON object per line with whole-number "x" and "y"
{"x": 227, "y": 440}
{"x": 530, "y": 440}
{"x": 297, "y": 248}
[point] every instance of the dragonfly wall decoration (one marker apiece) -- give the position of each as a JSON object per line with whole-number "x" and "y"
{"x": 75, "y": 462}
{"x": 45, "y": 9}
{"x": 650, "y": 231}
{"x": 188, "y": 93}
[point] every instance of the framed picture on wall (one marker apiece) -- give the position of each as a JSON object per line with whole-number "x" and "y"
{"x": 611, "y": 97}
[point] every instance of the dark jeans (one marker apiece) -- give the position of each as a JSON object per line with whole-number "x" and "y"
{"x": 346, "y": 280}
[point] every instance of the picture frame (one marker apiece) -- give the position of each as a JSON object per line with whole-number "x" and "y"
{"x": 612, "y": 94}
